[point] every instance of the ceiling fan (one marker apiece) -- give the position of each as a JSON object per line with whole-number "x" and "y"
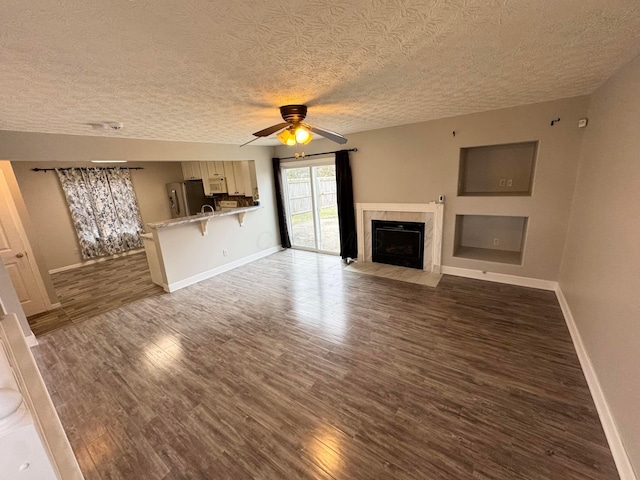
{"x": 294, "y": 130}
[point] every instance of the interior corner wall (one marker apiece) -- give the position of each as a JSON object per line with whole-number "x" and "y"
{"x": 600, "y": 272}
{"x": 416, "y": 163}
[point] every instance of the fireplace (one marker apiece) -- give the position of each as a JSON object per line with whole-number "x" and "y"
{"x": 398, "y": 243}
{"x": 432, "y": 214}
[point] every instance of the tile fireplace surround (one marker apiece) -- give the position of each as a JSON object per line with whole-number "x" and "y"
{"x": 429, "y": 213}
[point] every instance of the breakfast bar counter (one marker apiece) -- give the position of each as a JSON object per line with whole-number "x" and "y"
{"x": 203, "y": 218}
{"x": 186, "y": 250}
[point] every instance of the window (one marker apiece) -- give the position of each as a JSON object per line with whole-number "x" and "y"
{"x": 104, "y": 209}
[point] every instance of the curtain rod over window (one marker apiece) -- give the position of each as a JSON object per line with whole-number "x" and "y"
{"x": 300, "y": 157}
{"x": 94, "y": 168}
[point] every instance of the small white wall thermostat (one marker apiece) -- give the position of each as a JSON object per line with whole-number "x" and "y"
{"x": 583, "y": 122}
{"x": 440, "y": 198}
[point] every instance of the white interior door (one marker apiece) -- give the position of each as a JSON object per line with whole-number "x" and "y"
{"x": 16, "y": 255}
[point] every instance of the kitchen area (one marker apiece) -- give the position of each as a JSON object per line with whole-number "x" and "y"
{"x": 221, "y": 184}
{"x": 214, "y": 200}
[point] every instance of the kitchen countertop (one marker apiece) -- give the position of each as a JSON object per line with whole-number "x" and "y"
{"x": 201, "y": 217}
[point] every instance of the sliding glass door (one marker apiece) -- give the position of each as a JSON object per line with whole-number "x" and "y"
{"x": 312, "y": 211}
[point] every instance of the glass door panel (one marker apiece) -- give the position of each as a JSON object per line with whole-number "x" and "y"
{"x": 300, "y": 207}
{"x": 312, "y": 210}
{"x": 327, "y": 208}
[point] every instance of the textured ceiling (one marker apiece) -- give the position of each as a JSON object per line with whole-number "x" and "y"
{"x": 216, "y": 71}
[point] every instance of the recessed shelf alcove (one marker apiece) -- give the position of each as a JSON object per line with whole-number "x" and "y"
{"x": 497, "y": 170}
{"x": 490, "y": 238}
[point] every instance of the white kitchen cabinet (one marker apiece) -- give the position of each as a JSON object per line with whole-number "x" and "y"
{"x": 246, "y": 178}
{"x": 212, "y": 169}
{"x": 191, "y": 171}
{"x": 239, "y": 179}
{"x": 253, "y": 180}
{"x": 235, "y": 178}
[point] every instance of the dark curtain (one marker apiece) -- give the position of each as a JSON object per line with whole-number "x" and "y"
{"x": 282, "y": 219}
{"x": 346, "y": 208}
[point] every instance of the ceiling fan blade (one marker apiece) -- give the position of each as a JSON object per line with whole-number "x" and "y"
{"x": 252, "y": 140}
{"x": 336, "y": 137}
{"x": 272, "y": 129}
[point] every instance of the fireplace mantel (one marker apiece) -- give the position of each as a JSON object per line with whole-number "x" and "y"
{"x": 432, "y": 214}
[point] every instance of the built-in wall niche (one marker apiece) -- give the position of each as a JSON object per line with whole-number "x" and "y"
{"x": 491, "y": 238}
{"x": 497, "y": 170}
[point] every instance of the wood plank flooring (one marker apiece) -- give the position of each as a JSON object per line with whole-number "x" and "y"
{"x": 293, "y": 368}
{"x": 93, "y": 289}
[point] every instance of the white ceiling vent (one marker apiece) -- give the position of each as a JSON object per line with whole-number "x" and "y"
{"x": 106, "y": 125}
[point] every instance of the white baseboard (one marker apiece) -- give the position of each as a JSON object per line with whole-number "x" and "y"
{"x": 172, "y": 287}
{"x": 31, "y": 340}
{"x": 620, "y": 457}
{"x": 96, "y": 260}
{"x": 501, "y": 278}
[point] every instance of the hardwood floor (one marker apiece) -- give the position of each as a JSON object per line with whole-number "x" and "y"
{"x": 93, "y": 289}
{"x": 292, "y": 368}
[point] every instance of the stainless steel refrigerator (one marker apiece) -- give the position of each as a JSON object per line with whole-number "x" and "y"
{"x": 187, "y": 198}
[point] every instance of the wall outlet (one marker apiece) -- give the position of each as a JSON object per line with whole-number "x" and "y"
{"x": 225, "y": 253}
{"x": 510, "y": 182}
{"x": 496, "y": 241}
{"x": 502, "y": 182}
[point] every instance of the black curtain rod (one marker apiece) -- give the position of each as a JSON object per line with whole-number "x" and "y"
{"x": 300, "y": 157}
{"x": 97, "y": 168}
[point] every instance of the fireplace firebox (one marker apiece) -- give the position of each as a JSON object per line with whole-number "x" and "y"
{"x": 398, "y": 243}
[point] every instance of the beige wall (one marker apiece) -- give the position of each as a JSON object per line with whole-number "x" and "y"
{"x": 75, "y": 148}
{"x": 49, "y": 211}
{"x": 600, "y": 274}
{"x": 415, "y": 163}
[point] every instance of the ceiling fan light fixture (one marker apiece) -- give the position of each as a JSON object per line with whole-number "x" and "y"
{"x": 303, "y": 136}
{"x": 287, "y": 137}
{"x": 293, "y": 131}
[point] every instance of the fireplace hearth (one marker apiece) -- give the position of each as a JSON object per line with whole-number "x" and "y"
{"x": 398, "y": 243}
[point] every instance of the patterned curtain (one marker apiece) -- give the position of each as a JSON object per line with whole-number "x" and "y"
{"x": 104, "y": 210}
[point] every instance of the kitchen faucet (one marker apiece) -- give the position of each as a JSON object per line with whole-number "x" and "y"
{"x": 204, "y": 207}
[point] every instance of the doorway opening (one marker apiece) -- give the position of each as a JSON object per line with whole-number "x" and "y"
{"x": 311, "y": 203}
